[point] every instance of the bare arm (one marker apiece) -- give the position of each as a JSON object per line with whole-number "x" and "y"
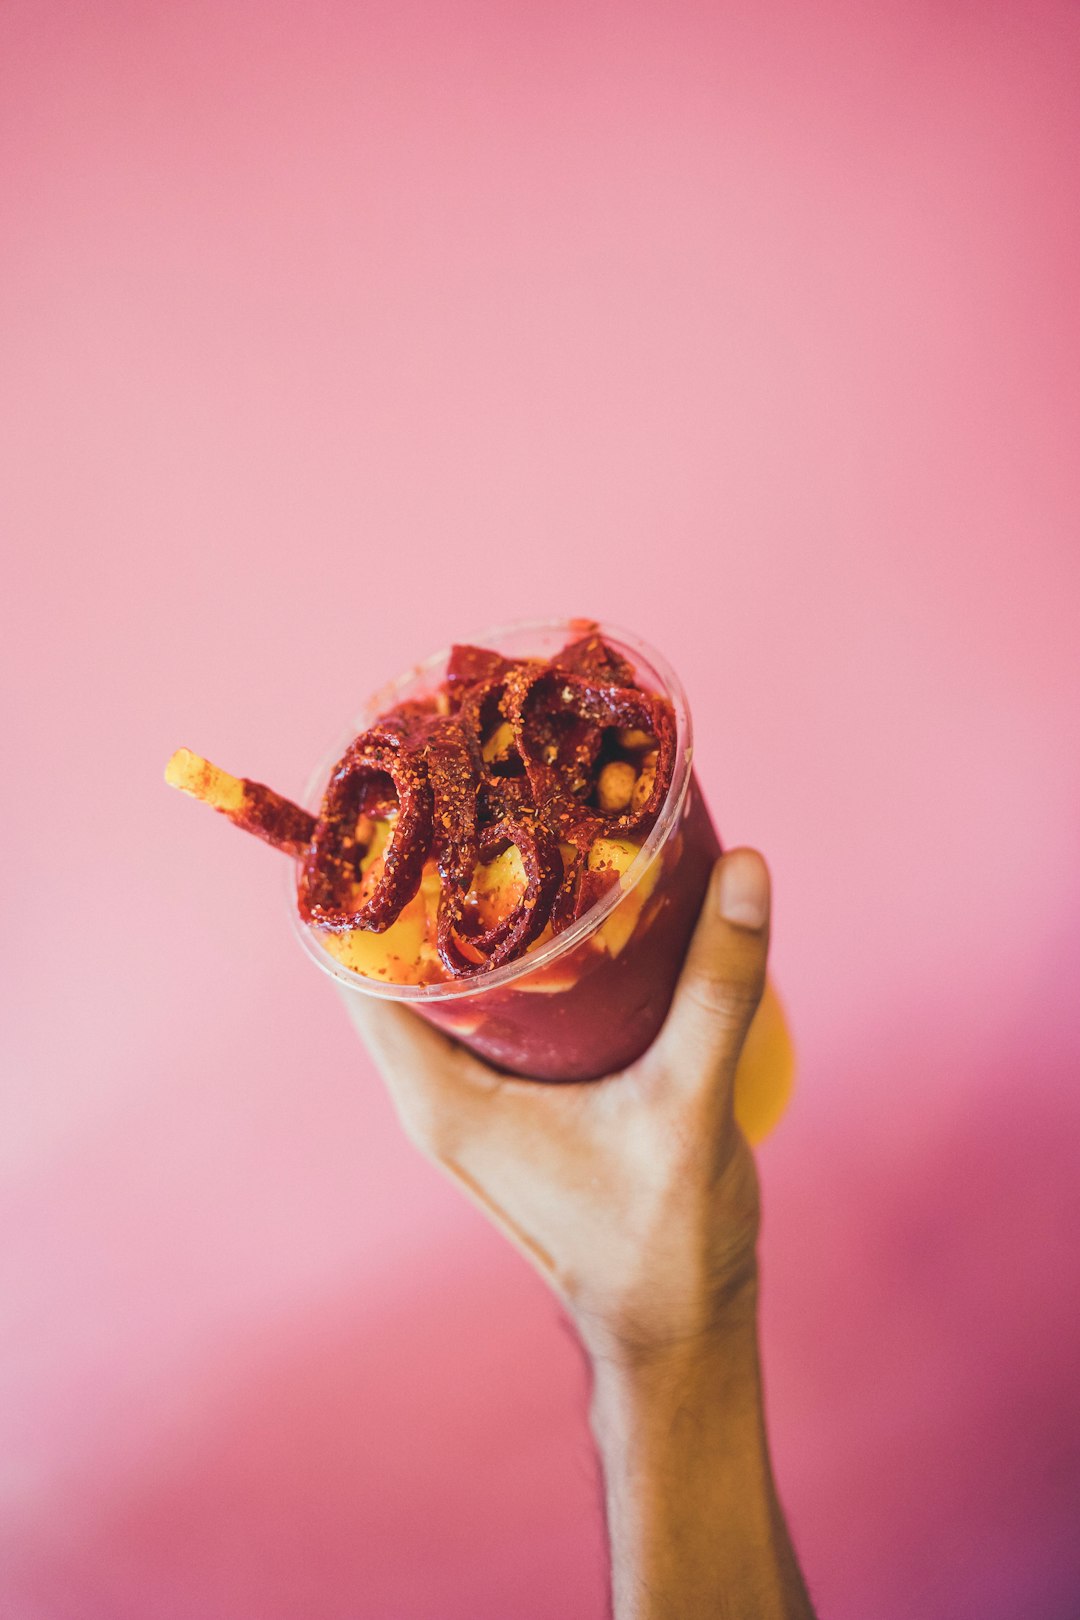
{"x": 636, "y": 1198}
{"x": 694, "y": 1522}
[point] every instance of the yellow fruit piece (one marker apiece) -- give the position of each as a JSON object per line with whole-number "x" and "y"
{"x": 499, "y": 743}
{"x": 619, "y": 853}
{"x": 766, "y": 1071}
{"x": 549, "y": 981}
{"x": 498, "y": 887}
{"x": 616, "y": 930}
{"x": 431, "y": 891}
{"x": 379, "y": 838}
{"x": 394, "y": 955}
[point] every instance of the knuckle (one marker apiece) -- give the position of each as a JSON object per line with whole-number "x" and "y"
{"x": 728, "y": 998}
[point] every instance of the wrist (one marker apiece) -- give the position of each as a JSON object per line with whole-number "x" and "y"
{"x": 707, "y": 1328}
{"x": 718, "y": 1364}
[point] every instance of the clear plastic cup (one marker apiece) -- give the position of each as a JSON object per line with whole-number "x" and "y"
{"x": 593, "y": 998}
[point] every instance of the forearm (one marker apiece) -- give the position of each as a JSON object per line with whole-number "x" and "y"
{"x": 695, "y": 1526}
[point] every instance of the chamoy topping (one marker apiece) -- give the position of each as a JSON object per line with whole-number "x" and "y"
{"x": 465, "y": 826}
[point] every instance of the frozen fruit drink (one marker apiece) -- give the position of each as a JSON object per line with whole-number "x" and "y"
{"x": 511, "y": 840}
{"x": 588, "y": 1000}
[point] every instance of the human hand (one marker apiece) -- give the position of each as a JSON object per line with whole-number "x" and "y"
{"x": 635, "y": 1196}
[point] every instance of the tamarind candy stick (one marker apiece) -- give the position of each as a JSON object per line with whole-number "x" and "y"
{"x": 249, "y": 805}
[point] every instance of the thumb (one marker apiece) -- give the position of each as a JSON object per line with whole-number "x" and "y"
{"x": 723, "y": 976}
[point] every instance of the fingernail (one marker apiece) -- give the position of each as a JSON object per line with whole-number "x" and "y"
{"x": 743, "y": 892}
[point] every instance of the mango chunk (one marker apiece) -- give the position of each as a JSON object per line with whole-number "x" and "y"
{"x": 378, "y": 834}
{"x": 616, "y": 853}
{"x": 619, "y": 854}
{"x": 394, "y": 955}
{"x": 500, "y": 743}
{"x": 615, "y": 931}
{"x": 498, "y": 887}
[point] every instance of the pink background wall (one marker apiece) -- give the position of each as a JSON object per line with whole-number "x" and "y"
{"x": 332, "y": 331}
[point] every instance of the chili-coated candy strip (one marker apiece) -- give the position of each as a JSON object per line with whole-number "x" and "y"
{"x": 452, "y": 759}
{"x": 467, "y": 666}
{"x": 593, "y": 887}
{"x": 332, "y": 861}
{"x": 249, "y": 805}
{"x": 276, "y": 820}
{"x": 410, "y": 717}
{"x": 565, "y": 908}
{"x": 558, "y": 750}
{"x": 591, "y": 656}
{"x": 503, "y": 796}
{"x": 480, "y": 705}
{"x": 576, "y": 824}
{"x": 557, "y": 692}
{"x": 510, "y": 938}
